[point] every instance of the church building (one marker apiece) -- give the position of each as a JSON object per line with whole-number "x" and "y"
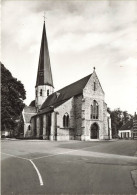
{"x": 76, "y": 112}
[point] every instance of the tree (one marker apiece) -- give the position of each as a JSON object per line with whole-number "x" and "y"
{"x": 116, "y": 121}
{"x": 126, "y": 117}
{"x": 12, "y": 96}
{"x": 118, "y": 118}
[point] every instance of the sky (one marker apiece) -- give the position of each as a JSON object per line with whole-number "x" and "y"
{"x": 81, "y": 35}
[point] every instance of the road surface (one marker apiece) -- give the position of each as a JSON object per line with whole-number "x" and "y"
{"x": 72, "y": 167}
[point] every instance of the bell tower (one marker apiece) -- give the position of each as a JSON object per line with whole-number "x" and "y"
{"x": 44, "y": 83}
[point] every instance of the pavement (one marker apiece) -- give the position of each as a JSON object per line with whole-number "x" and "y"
{"x": 71, "y": 167}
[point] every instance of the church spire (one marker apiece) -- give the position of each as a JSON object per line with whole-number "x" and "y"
{"x": 44, "y": 74}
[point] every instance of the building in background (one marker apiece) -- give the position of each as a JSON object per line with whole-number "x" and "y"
{"x": 135, "y": 126}
{"x": 129, "y": 130}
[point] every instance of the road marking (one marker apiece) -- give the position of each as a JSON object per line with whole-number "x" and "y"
{"x": 39, "y": 175}
{"x": 95, "y": 154}
{"x": 15, "y": 156}
{"x": 53, "y": 155}
{"x": 70, "y": 151}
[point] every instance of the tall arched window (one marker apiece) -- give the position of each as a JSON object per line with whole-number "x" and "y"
{"x": 41, "y": 92}
{"x": 94, "y": 86}
{"x": 94, "y": 110}
{"x": 66, "y": 120}
{"x": 48, "y": 92}
{"x": 36, "y": 93}
{"x": 91, "y": 111}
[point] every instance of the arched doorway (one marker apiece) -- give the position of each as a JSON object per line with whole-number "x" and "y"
{"x": 94, "y": 131}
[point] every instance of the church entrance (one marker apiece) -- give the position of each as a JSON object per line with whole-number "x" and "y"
{"x": 94, "y": 134}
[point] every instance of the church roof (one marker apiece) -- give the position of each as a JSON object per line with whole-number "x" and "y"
{"x": 32, "y": 104}
{"x": 44, "y": 74}
{"x": 28, "y": 112}
{"x": 127, "y": 126}
{"x": 29, "y": 109}
{"x": 59, "y": 97}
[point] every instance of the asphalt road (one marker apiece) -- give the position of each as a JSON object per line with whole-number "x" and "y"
{"x": 72, "y": 167}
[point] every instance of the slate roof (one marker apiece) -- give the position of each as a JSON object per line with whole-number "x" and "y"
{"x": 44, "y": 74}
{"x": 32, "y": 104}
{"x": 59, "y": 97}
{"x": 127, "y": 126}
{"x": 28, "y": 112}
{"x": 29, "y": 109}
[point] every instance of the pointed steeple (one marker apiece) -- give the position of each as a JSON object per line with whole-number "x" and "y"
{"x": 44, "y": 74}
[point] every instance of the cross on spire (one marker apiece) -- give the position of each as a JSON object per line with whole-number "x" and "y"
{"x": 44, "y": 16}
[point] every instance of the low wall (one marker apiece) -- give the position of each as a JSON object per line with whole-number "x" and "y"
{"x": 64, "y": 134}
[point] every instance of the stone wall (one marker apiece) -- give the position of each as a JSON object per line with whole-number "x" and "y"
{"x": 39, "y": 100}
{"x": 65, "y": 134}
{"x": 39, "y": 126}
{"x": 33, "y": 127}
{"x": 78, "y": 116}
{"x": 105, "y": 123}
{"x": 79, "y": 110}
{"x": 27, "y": 132}
{"x": 62, "y": 132}
{"x": 109, "y": 126}
{"x": 44, "y": 126}
{"x": 89, "y": 95}
{"x": 88, "y": 91}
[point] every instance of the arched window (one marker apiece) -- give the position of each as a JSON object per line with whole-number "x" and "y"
{"x": 41, "y": 92}
{"x": 91, "y": 111}
{"x": 66, "y": 120}
{"x": 94, "y": 110}
{"x": 94, "y": 86}
{"x": 29, "y": 127}
{"x": 48, "y": 92}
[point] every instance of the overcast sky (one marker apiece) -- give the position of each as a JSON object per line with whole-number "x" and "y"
{"x": 81, "y": 35}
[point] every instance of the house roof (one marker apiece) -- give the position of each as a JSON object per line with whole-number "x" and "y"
{"x": 28, "y": 112}
{"x": 59, "y": 97}
{"x": 127, "y": 126}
